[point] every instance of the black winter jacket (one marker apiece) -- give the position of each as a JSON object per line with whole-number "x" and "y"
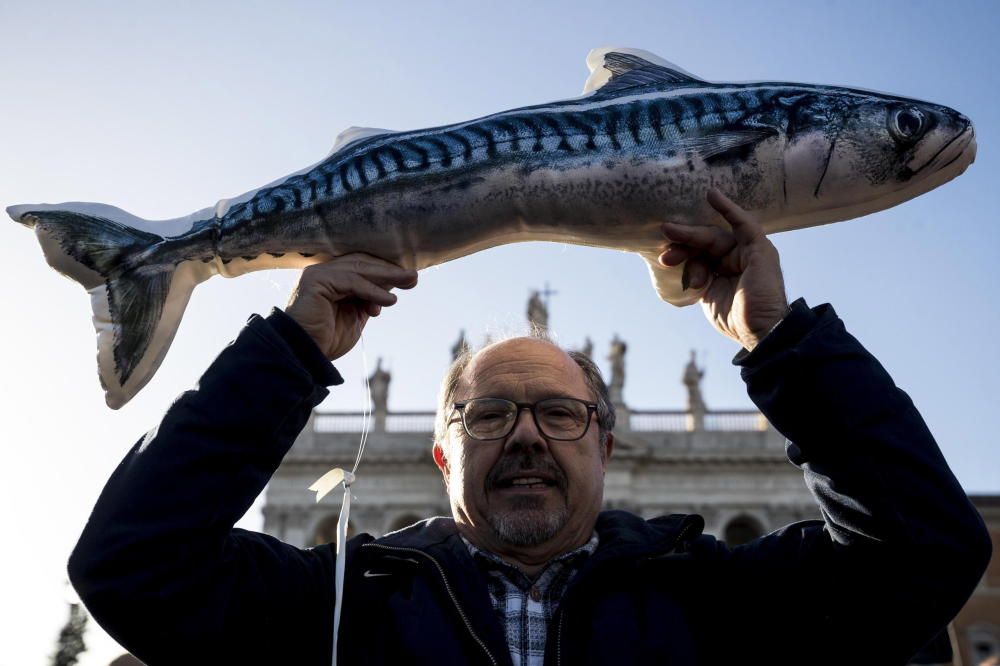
{"x": 900, "y": 548}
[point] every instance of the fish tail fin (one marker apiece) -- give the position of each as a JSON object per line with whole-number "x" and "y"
{"x": 667, "y": 281}
{"x": 138, "y": 297}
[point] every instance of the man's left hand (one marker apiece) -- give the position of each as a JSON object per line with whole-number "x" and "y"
{"x": 745, "y": 295}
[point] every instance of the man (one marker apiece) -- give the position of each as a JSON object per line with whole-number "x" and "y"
{"x": 528, "y": 568}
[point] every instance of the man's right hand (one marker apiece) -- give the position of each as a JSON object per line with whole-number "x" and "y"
{"x": 333, "y": 300}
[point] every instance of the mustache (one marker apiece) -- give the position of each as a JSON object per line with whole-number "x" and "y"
{"x": 513, "y": 464}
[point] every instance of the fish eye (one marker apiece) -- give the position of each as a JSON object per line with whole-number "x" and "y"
{"x": 906, "y": 125}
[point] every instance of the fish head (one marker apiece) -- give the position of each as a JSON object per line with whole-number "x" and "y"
{"x": 849, "y": 153}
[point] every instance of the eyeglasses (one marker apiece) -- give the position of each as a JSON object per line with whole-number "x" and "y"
{"x": 562, "y": 419}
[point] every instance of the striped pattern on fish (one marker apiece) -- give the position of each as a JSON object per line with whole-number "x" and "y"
{"x": 642, "y": 145}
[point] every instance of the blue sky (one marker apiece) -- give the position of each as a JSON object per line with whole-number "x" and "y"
{"x": 163, "y": 108}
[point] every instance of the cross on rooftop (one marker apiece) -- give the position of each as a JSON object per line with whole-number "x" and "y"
{"x": 545, "y": 293}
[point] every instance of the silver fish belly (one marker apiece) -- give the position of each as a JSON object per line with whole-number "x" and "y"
{"x": 599, "y": 173}
{"x": 642, "y": 146}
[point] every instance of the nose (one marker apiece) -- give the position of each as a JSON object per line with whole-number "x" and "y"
{"x": 525, "y": 433}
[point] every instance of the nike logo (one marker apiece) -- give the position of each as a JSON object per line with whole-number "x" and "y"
{"x": 370, "y": 574}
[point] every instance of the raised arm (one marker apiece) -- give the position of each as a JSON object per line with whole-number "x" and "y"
{"x": 159, "y": 563}
{"x": 900, "y": 547}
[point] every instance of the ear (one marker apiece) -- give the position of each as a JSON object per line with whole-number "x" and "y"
{"x": 608, "y": 448}
{"x": 441, "y": 460}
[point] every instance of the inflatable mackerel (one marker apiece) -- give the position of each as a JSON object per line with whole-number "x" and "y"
{"x": 642, "y": 145}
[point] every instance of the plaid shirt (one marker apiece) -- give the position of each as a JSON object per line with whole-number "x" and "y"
{"x": 525, "y": 606}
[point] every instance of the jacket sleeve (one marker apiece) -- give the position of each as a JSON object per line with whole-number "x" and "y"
{"x": 900, "y": 547}
{"x": 159, "y": 563}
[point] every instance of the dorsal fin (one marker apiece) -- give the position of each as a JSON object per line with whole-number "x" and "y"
{"x": 617, "y": 68}
{"x": 352, "y": 135}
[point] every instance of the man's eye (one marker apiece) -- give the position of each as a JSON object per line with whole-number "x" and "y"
{"x": 489, "y": 416}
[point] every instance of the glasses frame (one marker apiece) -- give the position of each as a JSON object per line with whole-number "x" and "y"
{"x": 530, "y": 406}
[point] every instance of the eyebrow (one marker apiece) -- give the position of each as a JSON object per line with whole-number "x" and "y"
{"x": 544, "y": 396}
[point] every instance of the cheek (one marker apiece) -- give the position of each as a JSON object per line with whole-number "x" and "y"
{"x": 584, "y": 470}
{"x": 470, "y": 467}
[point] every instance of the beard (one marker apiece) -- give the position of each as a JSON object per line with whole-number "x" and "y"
{"x": 527, "y": 525}
{"x": 525, "y": 521}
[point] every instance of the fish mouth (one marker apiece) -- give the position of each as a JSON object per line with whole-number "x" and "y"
{"x": 951, "y": 152}
{"x": 966, "y": 148}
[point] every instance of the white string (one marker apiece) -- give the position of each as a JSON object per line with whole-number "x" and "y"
{"x": 367, "y": 412}
{"x": 345, "y": 515}
{"x": 345, "y": 507}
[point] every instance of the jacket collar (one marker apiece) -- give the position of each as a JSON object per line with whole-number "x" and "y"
{"x": 622, "y": 534}
{"x": 438, "y": 538}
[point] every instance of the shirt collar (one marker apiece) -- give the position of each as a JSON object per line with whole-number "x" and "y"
{"x": 571, "y": 558}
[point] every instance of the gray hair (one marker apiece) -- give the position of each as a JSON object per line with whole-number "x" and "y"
{"x": 591, "y": 373}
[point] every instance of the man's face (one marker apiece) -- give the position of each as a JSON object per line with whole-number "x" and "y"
{"x": 490, "y": 508}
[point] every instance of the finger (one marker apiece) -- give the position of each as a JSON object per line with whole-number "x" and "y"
{"x": 731, "y": 264}
{"x": 698, "y": 274}
{"x": 373, "y": 268}
{"x": 745, "y": 226}
{"x": 701, "y": 238}
{"x": 383, "y": 272}
{"x": 405, "y": 281}
{"x": 356, "y": 286}
{"x": 376, "y": 268}
{"x": 372, "y": 309}
{"x": 675, "y": 255}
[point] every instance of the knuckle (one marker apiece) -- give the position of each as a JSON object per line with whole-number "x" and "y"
{"x": 721, "y": 240}
{"x": 308, "y": 279}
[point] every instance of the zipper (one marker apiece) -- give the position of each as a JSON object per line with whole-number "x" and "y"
{"x": 559, "y": 637}
{"x": 680, "y": 535}
{"x": 562, "y": 614}
{"x": 447, "y": 586}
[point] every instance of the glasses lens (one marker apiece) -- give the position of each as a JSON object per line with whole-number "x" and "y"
{"x": 562, "y": 418}
{"x": 488, "y": 418}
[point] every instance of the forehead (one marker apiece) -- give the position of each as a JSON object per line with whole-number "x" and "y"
{"x": 522, "y": 369}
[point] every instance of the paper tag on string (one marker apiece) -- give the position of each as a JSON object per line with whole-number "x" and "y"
{"x": 325, "y": 484}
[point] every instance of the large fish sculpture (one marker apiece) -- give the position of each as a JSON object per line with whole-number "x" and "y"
{"x": 643, "y": 144}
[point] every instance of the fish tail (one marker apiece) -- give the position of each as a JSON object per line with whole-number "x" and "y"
{"x": 137, "y": 294}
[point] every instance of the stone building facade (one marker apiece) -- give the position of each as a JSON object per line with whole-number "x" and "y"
{"x": 975, "y": 632}
{"x": 733, "y": 471}
{"x": 728, "y": 465}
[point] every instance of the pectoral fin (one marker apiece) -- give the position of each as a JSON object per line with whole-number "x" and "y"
{"x": 734, "y": 142}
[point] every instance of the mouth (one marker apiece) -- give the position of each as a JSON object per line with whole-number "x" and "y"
{"x": 525, "y": 483}
{"x": 951, "y": 152}
{"x": 966, "y": 148}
